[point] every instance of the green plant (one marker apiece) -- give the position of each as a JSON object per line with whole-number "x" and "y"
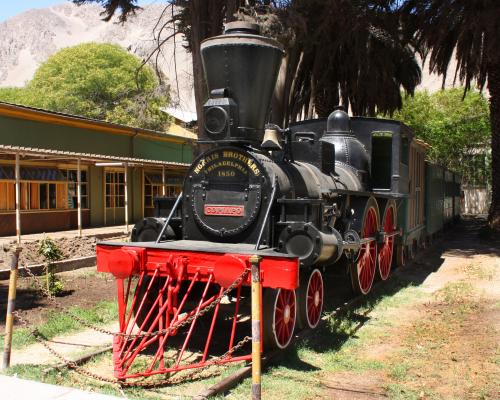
{"x": 51, "y": 252}
{"x": 399, "y": 371}
{"x": 49, "y": 249}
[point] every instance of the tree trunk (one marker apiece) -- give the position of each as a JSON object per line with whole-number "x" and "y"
{"x": 494, "y": 88}
{"x": 200, "y": 87}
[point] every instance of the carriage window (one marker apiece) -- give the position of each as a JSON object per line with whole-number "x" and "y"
{"x": 404, "y": 150}
{"x": 381, "y": 159}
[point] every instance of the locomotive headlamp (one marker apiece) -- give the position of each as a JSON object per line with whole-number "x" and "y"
{"x": 241, "y": 68}
{"x": 216, "y": 121}
{"x": 221, "y": 115}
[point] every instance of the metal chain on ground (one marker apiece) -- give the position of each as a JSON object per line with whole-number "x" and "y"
{"x": 70, "y": 364}
{"x": 165, "y": 331}
{"x": 217, "y": 361}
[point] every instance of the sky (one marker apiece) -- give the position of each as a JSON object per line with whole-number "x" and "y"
{"x": 10, "y": 8}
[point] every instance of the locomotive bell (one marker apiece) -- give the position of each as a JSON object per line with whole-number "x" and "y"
{"x": 271, "y": 139}
{"x": 241, "y": 68}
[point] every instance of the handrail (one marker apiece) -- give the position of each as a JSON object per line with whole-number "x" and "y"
{"x": 170, "y": 215}
{"x": 271, "y": 201}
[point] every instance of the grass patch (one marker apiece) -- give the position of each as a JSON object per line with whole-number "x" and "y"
{"x": 339, "y": 344}
{"x": 282, "y": 382}
{"x": 458, "y": 297}
{"x": 396, "y": 391}
{"x": 69, "y": 378}
{"x": 480, "y": 272}
{"x": 59, "y": 323}
{"x": 36, "y": 372}
{"x": 399, "y": 371}
{"x": 455, "y": 292}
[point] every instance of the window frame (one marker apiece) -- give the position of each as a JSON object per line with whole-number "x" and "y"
{"x": 151, "y": 190}
{"x": 30, "y": 191}
{"x": 114, "y": 189}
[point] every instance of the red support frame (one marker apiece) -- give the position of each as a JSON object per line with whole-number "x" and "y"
{"x": 179, "y": 294}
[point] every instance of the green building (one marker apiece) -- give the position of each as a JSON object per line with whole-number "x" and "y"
{"x": 121, "y": 170}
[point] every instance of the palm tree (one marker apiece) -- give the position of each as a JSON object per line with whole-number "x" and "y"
{"x": 347, "y": 52}
{"x": 468, "y": 29}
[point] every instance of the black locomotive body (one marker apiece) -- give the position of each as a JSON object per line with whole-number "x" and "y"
{"x": 304, "y": 191}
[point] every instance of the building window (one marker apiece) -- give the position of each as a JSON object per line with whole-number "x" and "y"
{"x": 115, "y": 189}
{"x": 153, "y": 187}
{"x": 72, "y": 178}
{"x": 33, "y": 196}
{"x": 7, "y": 196}
{"x": 42, "y": 189}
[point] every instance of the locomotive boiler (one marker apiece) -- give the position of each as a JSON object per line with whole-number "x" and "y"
{"x": 319, "y": 194}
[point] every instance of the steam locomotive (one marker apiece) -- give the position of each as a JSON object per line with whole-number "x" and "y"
{"x": 319, "y": 194}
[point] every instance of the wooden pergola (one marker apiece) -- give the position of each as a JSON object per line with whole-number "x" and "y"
{"x": 97, "y": 159}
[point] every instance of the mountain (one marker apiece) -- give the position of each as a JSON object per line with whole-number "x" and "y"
{"x": 28, "y": 39}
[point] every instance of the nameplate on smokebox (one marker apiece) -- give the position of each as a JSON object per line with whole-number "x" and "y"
{"x": 224, "y": 210}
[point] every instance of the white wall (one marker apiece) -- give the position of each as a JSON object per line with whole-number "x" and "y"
{"x": 477, "y": 200}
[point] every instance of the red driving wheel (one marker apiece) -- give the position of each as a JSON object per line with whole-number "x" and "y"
{"x": 363, "y": 270}
{"x": 386, "y": 250}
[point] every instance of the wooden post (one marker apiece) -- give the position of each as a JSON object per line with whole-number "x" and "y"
{"x": 256, "y": 354}
{"x": 79, "y": 196}
{"x": 163, "y": 180}
{"x": 126, "y": 197}
{"x": 11, "y": 304}
{"x": 18, "y": 201}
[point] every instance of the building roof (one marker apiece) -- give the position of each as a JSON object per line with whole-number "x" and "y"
{"x": 181, "y": 115}
{"x": 37, "y": 114}
{"x": 86, "y": 156}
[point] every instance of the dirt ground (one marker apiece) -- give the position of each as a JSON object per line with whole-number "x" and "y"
{"x": 70, "y": 247}
{"x": 84, "y": 288}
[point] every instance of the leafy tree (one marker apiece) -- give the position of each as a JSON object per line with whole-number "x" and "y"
{"x": 100, "y": 81}
{"x": 469, "y": 31}
{"x": 457, "y": 127}
{"x": 14, "y": 95}
{"x": 127, "y": 7}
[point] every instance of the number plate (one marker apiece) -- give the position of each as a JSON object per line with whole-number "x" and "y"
{"x": 224, "y": 210}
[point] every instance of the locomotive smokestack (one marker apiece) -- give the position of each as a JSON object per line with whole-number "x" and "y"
{"x": 241, "y": 68}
